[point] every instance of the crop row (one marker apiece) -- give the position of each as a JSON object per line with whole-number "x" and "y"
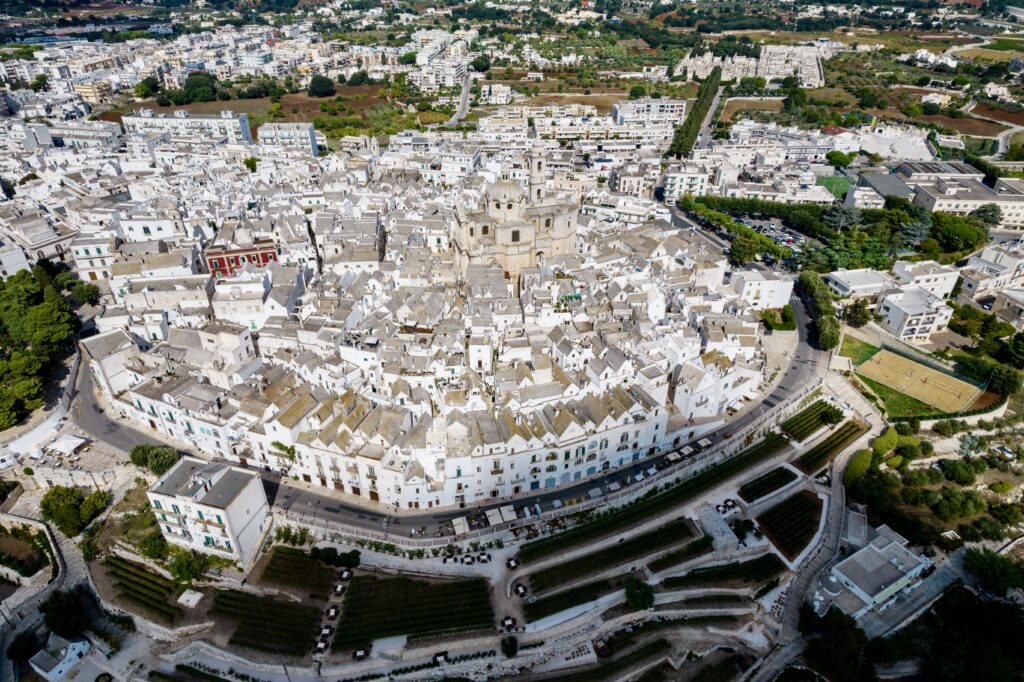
{"x": 809, "y": 420}
{"x": 638, "y": 546}
{"x": 125, "y": 566}
{"x": 821, "y": 453}
{"x": 791, "y": 524}
{"x": 267, "y": 624}
{"x": 768, "y": 483}
{"x": 751, "y": 571}
{"x": 295, "y": 568}
{"x": 653, "y": 504}
{"x": 691, "y": 550}
{"x": 376, "y": 608}
{"x": 546, "y": 606}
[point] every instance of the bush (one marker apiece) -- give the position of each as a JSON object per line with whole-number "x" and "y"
{"x": 886, "y": 443}
{"x": 509, "y": 646}
{"x": 859, "y": 465}
{"x": 639, "y": 594}
{"x": 1001, "y": 487}
{"x": 320, "y": 86}
{"x": 153, "y": 546}
{"x": 157, "y": 458}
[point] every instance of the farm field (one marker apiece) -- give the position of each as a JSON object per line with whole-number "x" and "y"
{"x": 603, "y": 101}
{"x": 742, "y": 573}
{"x": 637, "y": 546}
{"x": 792, "y": 523}
{"x": 737, "y": 104}
{"x": 144, "y": 589}
{"x": 581, "y": 594}
{"x": 266, "y": 624}
{"x": 1016, "y": 117}
{"x": 824, "y": 451}
{"x": 384, "y": 607}
{"x": 294, "y": 568}
{"x": 654, "y": 504}
{"x": 986, "y": 54}
{"x": 766, "y": 484}
{"x": 690, "y": 550}
{"x": 965, "y": 126}
{"x": 919, "y": 381}
{"x": 810, "y": 419}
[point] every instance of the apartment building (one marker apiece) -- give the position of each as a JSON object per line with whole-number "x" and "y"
{"x": 298, "y": 136}
{"x": 647, "y": 110}
{"x": 226, "y": 125}
{"x": 913, "y": 314}
{"x": 211, "y": 508}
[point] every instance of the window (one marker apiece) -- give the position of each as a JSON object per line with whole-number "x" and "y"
{"x": 515, "y": 236}
{"x": 509, "y": 206}
{"x": 547, "y": 222}
{"x": 471, "y": 232}
{"x": 485, "y": 230}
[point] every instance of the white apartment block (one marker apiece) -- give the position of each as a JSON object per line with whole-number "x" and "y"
{"x": 762, "y": 290}
{"x": 935, "y": 278}
{"x": 913, "y": 314}
{"x": 211, "y": 508}
{"x": 227, "y": 125}
{"x": 962, "y": 196}
{"x": 683, "y": 179}
{"x": 298, "y": 136}
{"x": 647, "y": 110}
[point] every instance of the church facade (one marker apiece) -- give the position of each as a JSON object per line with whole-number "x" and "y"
{"x": 517, "y": 228}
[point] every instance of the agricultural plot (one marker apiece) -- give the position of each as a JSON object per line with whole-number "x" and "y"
{"x": 752, "y": 571}
{"x": 791, "y": 524}
{"x": 810, "y": 419}
{"x": 638, "y": 546}
{"x": 691, "y": 550}
{"x": 928, "y": 385}
{"x": 142, "y": 588}
{"x": 824, "y": 451}
{"x": 376, "y": 608}
{"x": 266, "y": 624}
{"x": 581, "y": 594}
{"x": 766, "y": 484}
{"x": 654, "y": 504}
{"x": 295, "y": 568}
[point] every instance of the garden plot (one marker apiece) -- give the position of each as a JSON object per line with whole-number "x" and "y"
{"x": 928, "y": 385}
{"x": 144, "y": 589}
{"x": 268, "y": 625}
{"x": 792, "y": 523}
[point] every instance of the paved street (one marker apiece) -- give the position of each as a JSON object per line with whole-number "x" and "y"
{"x": 92, "y": 418}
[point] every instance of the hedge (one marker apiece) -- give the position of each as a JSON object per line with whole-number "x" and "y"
{"x": 859, "y": 465}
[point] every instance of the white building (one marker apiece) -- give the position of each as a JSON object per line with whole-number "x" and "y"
{"x": 58, "y": 657}
{"x": 226, "y": 125}
{"x": 913, "y": 314}
{"x": 211, "y": 508}
{"x": 649, "y": 110}
{"x": 762, "y": 290}
{"x": 935, "y": 278}
{"x": 299, "y": 136}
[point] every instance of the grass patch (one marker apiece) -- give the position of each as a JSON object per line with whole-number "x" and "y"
{"x": 791, "y": 524}
{"x": 268, "y": 625}
{"x": 768, "y": 483}
{"x": 824, "y": 451}
{"x": 748, "y": 572}
{"x": 897, "y": 404}
{"x": 376, "y": 608}
{"x": 654, "y": 503}
{"x": 638, "y": 546}
{"x": 858, "y": 351}
{"x": 836, "y": 185}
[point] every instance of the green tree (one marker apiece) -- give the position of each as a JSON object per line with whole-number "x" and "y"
{"x": 839, "y": 159}
{"x": 481, "y": 64}
{"x": 48, "y": 327}
{"x": 955, "y": 233}
{"x": 857, "y": 313}
{"x": 841, "y": 217}
{"x": 61, "y": 506}
{"x": 989, "y": 215}
{"x": 742, "y": 250}
{"x": 994, "y": 571}
{"x": 320, "y": 86}
{"x": 637, "y": 91}
{"x": 407, "y": 58}
{"x": 509, "y": 646}
{"x": 40, "y": 82}
{"x": 65, "y": 612}
{"x": 86, "y": 293}
{"x": 93, "y": 505}
{"x": 147, "y": 87}
{"x": 23, "y": 647}
{"x": 251, "y": 162}
{"x": 153, "y": 545}
{"x": 639, "y": 594}
{"x": 187, "y": 566}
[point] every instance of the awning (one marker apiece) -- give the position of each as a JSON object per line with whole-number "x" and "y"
{"x": 493, "y": 517}
{"x": 460, "y": 525}
{"x": 66, "y": 445}
{"x": 508, "y": 513}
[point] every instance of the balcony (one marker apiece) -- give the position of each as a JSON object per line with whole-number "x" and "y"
{"x": 210, "y": 522}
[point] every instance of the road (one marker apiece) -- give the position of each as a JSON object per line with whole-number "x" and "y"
{"x": 704, "y": 137}
{"x": 1002, "y": 138}
{"x": 91, "y": 417}
{"x": 460, "y": 113}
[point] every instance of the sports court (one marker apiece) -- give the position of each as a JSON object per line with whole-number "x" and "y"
{"x": 920, "y": 381}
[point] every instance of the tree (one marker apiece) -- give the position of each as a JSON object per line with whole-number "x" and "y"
{"x": 989, "y": 215}
{"x": 23, "y": 647}
{"x": 857, "y": 313}
{"x": 48, "y": 327}
{"x": 742, "y": 250}
{"x": 841, "y": 217}
{"x": 359, "y": 78}
{"x": 147, "y": 87}
{"x": 509, "y": 646}
{"x": 39, "y": 83}
{"x": 637, "y": 91}
{"x": 955, "y": 233}
{"x": 251, "y": 162}
{"x": 65, "y": 612}
{"x": 187, "y": 566}
{"x": 481, "y": 64}
{"x": 93, "y": 505}
{"x": 320, "y": 86}
{"x": 407, "y": 58}
{"x": 157, "y": 458}
{"x": 994, "y": 571}
{"x": 828, "y": 333}
{"x": 839, "y": 159}
{"x": 639, "y": 594}
{"x": 931, "y": 108}
{"x": 86, "y": 293}
{"x": 61, "y": 506}
{"x": 153, "y": 545}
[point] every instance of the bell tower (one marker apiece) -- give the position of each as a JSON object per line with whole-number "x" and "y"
{"x": 535, "y": 171}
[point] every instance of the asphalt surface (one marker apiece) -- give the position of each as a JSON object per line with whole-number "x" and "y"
{"x": 460, "y": 113}
{"x": 92, "y": 418}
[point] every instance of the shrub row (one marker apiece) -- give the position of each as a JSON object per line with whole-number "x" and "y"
{"x": 691, "y": 550}
{"x": 821, "y": 453}
{"x": 810, "y": 419}
{"x": 751, "y": 571}
{"x": 581, "y": 594}
{"x": 792, "y": 523}
{"x": 768, "y": 483}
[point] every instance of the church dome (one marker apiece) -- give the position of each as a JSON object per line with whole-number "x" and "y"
{"x": 505, "y": 191}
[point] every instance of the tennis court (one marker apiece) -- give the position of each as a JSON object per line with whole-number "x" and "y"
{"x": 920, "y": 381}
